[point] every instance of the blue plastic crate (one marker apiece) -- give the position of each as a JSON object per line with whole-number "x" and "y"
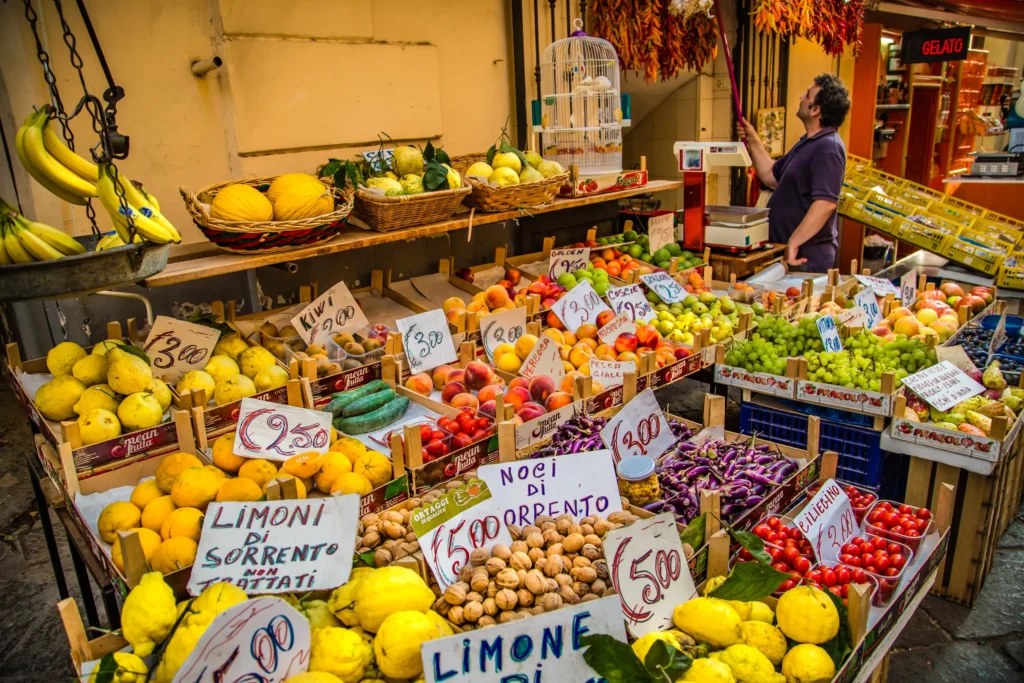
{"x": 828, "y": 413}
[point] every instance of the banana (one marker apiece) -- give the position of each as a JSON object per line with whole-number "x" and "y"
{"x": 40, "y": 177}
{"x": 4, "y": 258}
{"x": 152, "y": 199}
{"x": 84, "y": 168}
{"x": 58, "y": 174}
{"x": 58, "y": 239}
{"x": 14, "y": 247}
{"x": 140, "y": 203}
{"x": 147, "y": 228}
{"x": 109, "y": 242}
{"x": 33, "y": 244}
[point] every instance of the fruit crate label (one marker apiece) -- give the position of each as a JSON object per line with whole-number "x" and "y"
{"x": 852, "y": 316}
{"x": 665, "y": 287}
{"x": 451, "y": 528}
{"x": 661, "y": 231}
{"x": 456, "y": 463}
{"x": 502, "y": 328}
{"x": 640, "y": 428}
{"x": 670, "y": 373}
{"x": 943, "y": 385}
{"x": 277, "y": 432}
{"x": 760, "y": 382}
{"x": 606, "y": 399}
{"x": 348, "y": 379}
{"x": 880, "y": 285}
{"x": 277, "y": 546}
{"x": 331, "y": 313}
{"x": 567, "y": 260}
{"x": 619, "y": 324}
{"x": 856, "y": 400}
{"x": 631, "y": 301}
{"x": 426, "y": 340}
{"x": 544, "y": 360}
{"x": 264, "y": 640}
{"x": 829, "y": 334}
{"x": 547, "y": 647}
{"x": 385, "y": 497}
{"x": 961, "y": 443}
{"x": 175, "y": 347}
{"x": 610, "y": 373}
{"x": 153, "y": 441}
{"x": 865, "y": 300}
{"x": 541, "y": 428}
{"x": 649, "y": 571}
{"x": 578, "y": 306}
{"x": 580, "y": 484}
{"x": 827, "y": 521}
{"x": 908, "y": 287}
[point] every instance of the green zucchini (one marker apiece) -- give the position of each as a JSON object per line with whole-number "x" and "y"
{"x": 367, "y": 403}
{"x": 375, "y": 419}
{"x": 343, "y": 398}
{"x": 334, "y": 407}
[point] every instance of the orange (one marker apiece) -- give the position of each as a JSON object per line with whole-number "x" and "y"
{"x": 303, "y": 465}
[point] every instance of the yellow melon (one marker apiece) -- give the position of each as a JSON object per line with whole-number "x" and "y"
{"x": 241, "y": 203}
{"x": 297, "y": 196}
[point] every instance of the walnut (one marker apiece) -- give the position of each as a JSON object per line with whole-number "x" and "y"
{"x": 438, "y": 603}
{"x": 479, "y": 556}
{"x": 546, "y": 527}
{"x": 622, "y": 517}
{"x": 391, "y": 516}
{"x": 521, "y": 575}
{"x": 392, "y": 530}
{"x": 586, "y": 529}
{"x": 443, "y": 609}
{"x": 550, "y": 601}
{"x": 382, "y": 557}
{"x": 369, "y": 520}
{"x": 581, "y": 561}
{"x": 507, "y": 578}
{"x": 411, "y": 536}
{"x": 371, "y": 539}
{"x": 520, "y": 561}
{"x": 537, "y": 610}
{"x": 506, "y": 599}
{"x": 473, "y": 596}
{"x": 536, "y": 582}
{"x": 574, "y": 528}
{"x": 478, "y": 582}
{"x": 535, "y": 555}
{"x": 492, "y": 589}
{"x": 406, "y": 516}
{"x": 544, "y": 519}
{"x": 598, "y": 586}
{"x": 602, "y": 569}
{"x": 530, "y": 529}
{"x": 391, "y": 544}
{"x": 588, "y": 520}
{"x": 602, "y": 527}
{"x": 519, "y": 547}
{"x": 506, "y": 617}
{"x": 515, "y": 532}
{"x": 591, "y": 552}
{"x": 455, "y": 594}
{"x": 562, "y": 524}
{"x": 501, "y": 552}
{"x": 593, "y": 540}
{"x": 525, "y": 597}
{"x": 472, "y": 611}
{"x": 457, "y": 616}
{"x": 580, "y": 588}
{"x": 552, "y": 585}
{"x": 584, "y": 574}
{"x": 490, "y": 606}
{"x": 568, "y": 595}
{"x": 563, "y": 580}
{"x": 556, "y": 549}
{"x": 485, "y": 621}
{"x": 535, "y": 540}
{"x": 466, "y": 573}
{"x": 590, "y": 596}
{"x": 413, "y": 503}
{"x": 551, "y": 537}
{"x": 495, "y": 565}
{"x": 553, "y": 565}
{"x": 541, "y": 563}
{"x": 573, "y": 543}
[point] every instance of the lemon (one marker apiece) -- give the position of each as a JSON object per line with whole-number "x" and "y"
{"x": 352, "y": 448}
{"x": 270, "y": 377}
{"x": 340, "y": 652}
{"x": 398, "y": 641}
{"x": 374, "y": 466}
{"x": 140, "y": 411}
{"x": 643, "y": 645}
{"x": 254, "y": 359}
{"x": 318, "y": 615}
{"x": 156, "y": 511}
{"x": 303, "y": 465}
{"x": 130, "y": 669}
{"x": 97, "y": 396}
{"x": 98, "y": 425}
{"x": 710, "y": 620}
{"x": 239, "y": 490}
{"x": 196, "y": 379}
{"x": 333, "y": 465}
{"x": 343, "y": 601}
{"x": 173, "y": 465}
{"x": 259, "y": 470}
{"x": 146, "y": 492}
{"x": 705, "y": 670}
{"x": 218, "y": 597}
{"x": 387, "y": 590}
{"x": 530, "y": 175}
{"x": 118, "y": 516}
{"x": 406, "y": 159}
{"x": 92, "y": 369}
{"x": 150, "y": 541}
{"x": 221, "y": 367}
{"x": 223, "y": 457}
{"x": 233, "y": 389}
{"x": 533, "y": 158}
{"x": 480, "y": 169}
{"x": 230, "y": 346}
{"x": 161, "y": 392}
{"x": 807, "y": 615}
{"x": 62, "y": 358}
{"x": 195, "y": 487}
{"x": 454, "y": 179}
{"x": 148, "y": 615}
{"x": 507, "y": 160}
{"x": 748, "y": 665}
{"x": 505, "y": 176}
{"x": 411, "y": 184}
{"x": 312, "y": 677}
{"x": 808, "y": 664}
{"x": 127, "y": 373}
{"x": 766, "y": 639}
{"x": 300, "y": 487}
{"x": 184, "y": 522}
{"x": 550, "y": 168}
{"x": 174, "y": 554}
{"x": 104, "y": 346}
{"x": 57, "y": 398}
{"x": 761, "y": 612}
{"x": 350, "y": 482}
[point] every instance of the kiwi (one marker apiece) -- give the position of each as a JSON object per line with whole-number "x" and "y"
{"x": 371, "y": 344}
{"x": 354, "y": 349}
{"x": 343, "y": 338}
{"x": 289, "y": 331}
{"x": 269, "y": 330}
{"x": 316, "y": 350}
{"x": 351, "y": 364}
{"x": 276, "y": 348}
{"x": 329, "y": 369}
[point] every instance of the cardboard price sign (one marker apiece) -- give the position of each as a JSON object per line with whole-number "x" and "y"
{"x": 277, "y": 432}
{"x": 670, "y": 291}
{"x": 661, "y": 231}
{"x": 579, "y": 305}
{"x": 545, "y": 360}
{"x": 581, "y": 484}
{"x": 631, "y": 301}
{"x": 619, "y": 324}
{"x": 852, "y": 316}
{"x": 829, "y": 334}
{"x": 427, "y": 341}
{"x": 640, "y": 428}
{"x": 879, "y": 284}
{"x": 908, "y": 287}
{"x": 828, "y": 521}
{"x": 649, "y": 572}
{"x": 943, "y": 385}
{"x": 264, "y": 640}
{"x": 610, "y": 373}
{"x": 502, "y": 328}
{"x": 866, "y": 302}
{"x": 175, "y": 347}
{"x": 277, "y": 546}
{"x": 546, "y": 647}
{"x": 332, "y": 312}
{"x": 567, "y": 260}
{"x": 451, "y": 528}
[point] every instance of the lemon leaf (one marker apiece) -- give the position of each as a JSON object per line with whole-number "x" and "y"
{"x": 107, "y": 669}
{"x": 435, "y": 176}
{"x": 442, "y": 156}
{"x": 665, "y": 662}
{"x": 331, "y": 167}
{"x": 614, "y": 660}
{"x": 491, "y": 151}
{"x": 753, "y": 543}
{"x": 136, "y": 351}
{"x": 694, "y": 532}
{"x": 750, "y": 581}
{"x": 367, "y": 557}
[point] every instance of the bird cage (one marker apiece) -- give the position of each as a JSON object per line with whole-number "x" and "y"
{"x": 580, "y": 106}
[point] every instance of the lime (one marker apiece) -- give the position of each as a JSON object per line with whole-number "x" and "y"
{"x": 663, "y": 264}
{"x": 635, "y": 250}
{"x": 662, "y": 255}
{"x": 645, "y": 257}
{"x": 674, "y": 249}
{"x": 629, "y": 236}
{"x": 602, "y": 287}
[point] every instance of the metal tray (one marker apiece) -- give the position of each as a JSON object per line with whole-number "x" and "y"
{"x": 83, "y": 273}
{"x": 735, "y": 215}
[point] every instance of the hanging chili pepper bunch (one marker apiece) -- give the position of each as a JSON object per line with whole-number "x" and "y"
{"x": 833, "y": 24}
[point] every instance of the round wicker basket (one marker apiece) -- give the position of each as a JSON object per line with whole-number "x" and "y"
{"x": 492, "y": 198}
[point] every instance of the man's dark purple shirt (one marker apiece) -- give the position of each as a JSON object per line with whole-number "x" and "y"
{"x": 812, "y": 170}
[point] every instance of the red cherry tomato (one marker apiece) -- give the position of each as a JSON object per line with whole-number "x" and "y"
{"x": 773, "y": 537}
{"x": 854, "y": 561}
{"x": 774, "y": 522}
{"x": 892, "y": 571}
{"x": 828, "y": 577}
{"x": 776, "y": 555}
{"x": 923, "y": 513}
{"x": 882, "y": 562}
{"x": 845, "y": 589}
{"x": 913, "y": 533}
{"x": 425, "y": 433}
{"x": 788, "y": 584}
{"x": 482, "y": 423}
{"x": 762, "y": 531}
{"x": 858, "y": 576}
{"x": 843, "y": 575}
{"x": 878, "y": 542}
{"x": 899, "y": 530}
{"x": 893, "y": 549}
{"x": 836, "y": 591}
{"x": 814, "y": 575}
{"x": 802, "y": 565}
{"x": 789, "y": 554}
{"x": 781, "y": 566}
{"x": 897, "y": 561}
{"x": 796, "y": 533}
{"x": 905, "y": 509}
{"x": 746, "y": 556}
{"x": 867, "y": 560}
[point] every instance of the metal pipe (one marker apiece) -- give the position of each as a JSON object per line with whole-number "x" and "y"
{"x": 202, "y": 67}
{"x": 288, "y": 266}
{"x": 131, "y": 295}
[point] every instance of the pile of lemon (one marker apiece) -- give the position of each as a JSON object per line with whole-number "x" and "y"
{"x": 234, "y": 371}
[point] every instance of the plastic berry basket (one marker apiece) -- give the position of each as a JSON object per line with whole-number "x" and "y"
{"x": 870, "y": 579}
{"x": 861, "y": 512}
{"x": 888, "y": 585}
{"x": 912, "y": 542}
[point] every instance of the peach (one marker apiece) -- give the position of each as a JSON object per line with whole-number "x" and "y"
{"x": 556, "y": 335}
{"x": 926, "y": 316}
{"x": 420, "y": 383}
{"x": 590, "y": 343}
{"x": 478, "y": 375}
{"x": 517, "y": 396}
{"x": 541, "y": 387}
{"x": 587, "y": 331}
{"x": 584, "y": 369}
{"x": 551, "y": 319}
{"x": 452, "y": 315}
{"x": 496, "y": 296}
{"x": 897, "y": 313}
{"x": 664, "y": 346}
{"x": 907, "y": 325}
{"x": 604, "y": 350}
{"x": 557, "y": 400}
{"x": 508, "y": 362}
{"x": 596, "y": 387}
{"x": 530, "y": 411}
{"x": 563, "y": 352}
{"x": 520, "y": 298}
{"x": 662, "y": 359}
{"x": 456, "y": 375}
{"x": 881, "y": 330}
{"x": 521, "y": 382}
{"x": 477, "y": 307}
{"x": 927, "y": 332}
{"x": 570, "y": 338}
{"x": 627, "y": 341}
{"x": 524, "y": 345}
{"x": 440, "y": 376}
{"x": 466, "y": 400}
{"x": 568, "y": 367}
{"x": 569, "y": 381}
{"x": 537, "y": 288}
{"x": 647, "y": 335}
{"x": 628, "y": 355}
{"x": 951, "y": 289}
{"x": 451, "y": 390}
{"x": 943, "y": 329}
{"x": 950, "y": 318}
{"x": 489, "y": 393}
{"x": 479, "y": 296}
{"x": 604, "y": 317}
{"x": 580, "y": 354}
{"x": 489, "y": 408}
{"x": 452, "y": 302}
{"x": 502, "y": 349}
{"x": 513, "y": 275}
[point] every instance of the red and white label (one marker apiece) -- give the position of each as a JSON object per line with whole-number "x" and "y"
{"x": 277, "y": 432}
{"x": 332, "y": 312}
{"x": 828, "y": 521}
{"x": 610, "y": 373}
{"x": 545, "y": 360}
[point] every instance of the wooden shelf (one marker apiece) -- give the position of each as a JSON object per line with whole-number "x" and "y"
{"x": 197, "y": 266}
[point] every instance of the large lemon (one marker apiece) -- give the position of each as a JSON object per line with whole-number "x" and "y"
{"x": 233, "y": 389}
{"x": 318, "y": 615}
{"x": 196, "y": 487}
{"x": 173, "y": 465}
{"x": 62, "y": 358}
{"x": 312, "y": 676}
{"x": 374, "y": 466}
{"x": 643, "y": 645}
{"x": 148, "y": 614}
{"x": 104, "y": 346}
{"x": 808, "y": 663}
{"x": 92, "y": 369}
{"x": 185, "y": 521}
{"x": 303, "y": 465}
{"x": 140, "y": 411}
{"x": 161, "y": 392}
{"x": 218, "y": 597}
{"x": 98, "y": 396}
{"x": 239, "y": 490}
{"x": 351, "y": 447}
{"x": 333, "y": 465}
{"x": 270, "y": 377}
{"x": 530, "y": 175}
{"x": 442, "y": 623}
{"x": 388, "y": 590}
{"x": 223, "y": 457}
{"x": 127, "y": 373}
{"x": 259, "y": 470}
{"x": 550, "y": 168}
{"x": 343, "y": 600}
{"x": 150, "y": 541}
{"x": 705, "y": 670}
{"x": 350, "y": 482}
{"x": 398, "y": 641}
{"x": 230, "y": 346}
{"x": 710, "y": 620}
{"x": 130, "y": 668}
{"x": 807, "y": 615}
{"x": 340, "y": 652}
{"x": 505, "y": 176}
{"x": 389, "y": 185}
{"x": 406, "y": 159}
{"x": 57, "y": 398}
{"x": 196, "y": 379}
{"x": 240, "y": 202}
{"x": 411, "y": 184}
{"x": 118, "y": 516}
{"x": 766, "y": 639}
{"x": 174, "y": 554}
{"x": 98, "y": 425}
{"x": 144, "y": 493}
{"x": 454, "y": 179}
{"x": 221, "y": 367}
{"x": 254, "y": 359}
{"x": 480, "y": 169}
{"x": 156, "y": 512}
{"x": 747, "y": 664}
{"x": 507, "y": 160}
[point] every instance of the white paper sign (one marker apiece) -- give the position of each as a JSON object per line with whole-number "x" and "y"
{"x": 277, "y": 432}
{"x": 277, "y": 546}
{"x": 540, "y": 649}
{"x": 579, "y": 305}
{"x": 426, "y": 340}
{"x": 828, "y": 521}
{"x": 581, "y": 484}
{"x": 451, "y": 528}
{"x": 955, "y": 355}
{"x": 332, "y": 312}
{"x": 567, "y": 260}
{"x": 852, "y": 316}
{"x": 660, "y": 231}
{"x": 943, "y": 385}
{"x": 640, "y": 428}
{"x": 175, "y": 347}
{"x": 545, "y": 360}
{"x": 631, "y": 301}
{"x": 502, "y": 328}
{"x": 879, "y": 284}
{"x": 649, "y": 571}
{"x": 866, "y": 301}
{"x": 829, "y": 334}
{"x": 264, "y": 640}
{"x": 670, "y": 291}
{"x": 908, "y": 287}
{"x": 619, "y": 324}
{"x": 610, "y": 373}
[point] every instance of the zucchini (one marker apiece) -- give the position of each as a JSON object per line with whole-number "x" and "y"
{"x": 367, "y": 403}
{"x": 374, "y": 420}
{"x": 334, "y": 406}
{"x": 343, "y": 398}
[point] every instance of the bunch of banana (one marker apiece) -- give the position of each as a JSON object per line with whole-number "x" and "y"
{"x": 25, "y": 241}
{"x": 112, "y": 240}
{"x": 145, "y": 214}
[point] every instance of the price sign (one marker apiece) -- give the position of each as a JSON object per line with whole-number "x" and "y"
{"x": 579, "y": 305}
{"x": 908, "y": 287}
{"x": 265, "y": 640}
{"x": 619, "y": 324}
{"x": 670, "y": 291}
{"x": 866, "y": 301}
{"x": 631, "y": 301}
{"x": 942, "y": 386}
{"x": 277, "y": 432}
{"x": 175, "y": 347}
{"x": 829, "y": 334}
{"x": 332, "y": 312}
{"x": 649, "y": 572}
{"x": 640, "y": 428}
{"x": 451, "y": 528}
{"x": 610, "y": 373}
{"x": 661, "y": 231}
{"x": 502, "y": 328}
{"x": 427, "y": 341}
{"x": 828, "y": 521}
{"x": 567, "y": 260}
{"x": 879, "y": 284}
{"x": 545, "y": 360}
{"x": 580, "y": 484}
{"x": 852, "y": 316}
{"x": 277, "y": 546}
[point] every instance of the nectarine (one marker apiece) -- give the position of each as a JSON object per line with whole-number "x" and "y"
{"x": 440, "y": 376}
{"x": 466, "y": 400}
{"x": 478, "y": 375}
{"x": 489, "y": 393}
{"x": 557, "y": 400}
{"x": 420, "y": 383}
{"x": 452, "y": 302}
{"x": 517, "y": 396}
{"x": 451, "y": 390}
{"x": 530, "y": 411}
{"x": 541, "y": 387}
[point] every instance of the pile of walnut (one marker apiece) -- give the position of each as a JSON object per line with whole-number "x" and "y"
{"x": 551, "y": 564}
{"x": 388, "y": 535}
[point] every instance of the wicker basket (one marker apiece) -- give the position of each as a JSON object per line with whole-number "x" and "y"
{"x": 511, "y": 197}
{"x": 393, "y": 213}
{"x": 246, "y": 237}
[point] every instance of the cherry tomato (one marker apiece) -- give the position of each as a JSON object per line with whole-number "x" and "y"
{"x": 746, "y": 556}
{"x": 858, "y": 576}
{"x": 867, "y": 560}
{"x": 814, "y": 575}
{"x": 781, "y": 566}
{"x": 482, "y": 423}
{"x": 923, "y": 513}
{"x": 878, "y": 542}
{"x": 892, "y": 519}
{"x": 896, "y": 561}
{"x": 913, "y": 533}
{"x": 836, "y": 591}
{"x": 876, "y": 516}
{"x": 899, "y": 530}
{"x": 882, "y": 562}
{"x": 796, "y": 533}
{"x": 774, "y": 522}
{"x": 843, "y": 575}
{"x": 788, "y": 584}
{"x": 892, "y": 571}
{"x": 789, "y": 554}
{"x": 802, "y": 564}
{"x": 893, "y": 549}
{"x": 776, "y": 555}
{"x": 773, "y": 537}
{"x": 905, "y": 509}
{"x": 478, "y": 434}
{"x": 435, "y": 448}
{"x": 425, "y": 433}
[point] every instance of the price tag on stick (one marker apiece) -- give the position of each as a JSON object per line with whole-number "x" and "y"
{"x": 879, "y": 284}
{"x": 427, "y": 341}
{"x": 175, "y": 347}
{"x": 828, "y": 521}
{"x": 829, "y": 334}
{"x": 649, "y": 572}
{"x": 277, "y": 432}
{"x": 640, "y": 428}
{"x": 545, "y": 360}
{"x": 332, "y": 312}
{"x": 502, "y": 328}
{"x": 610, "y": 373}
{"x": 579, "y": 305}
{"x": 631, "y": 301}
{"x": 660, "y": 231}
{"x": 908, "y": 287}
{"x": 866, "y": 301}
{"x": 670, "y": 291}
{"x": 567, "y": 260}
{"x": 942, "y": 386}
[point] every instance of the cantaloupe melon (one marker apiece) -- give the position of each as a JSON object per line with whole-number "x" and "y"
{"x": 241, "y": 203}
{"x": 298, "y": 196}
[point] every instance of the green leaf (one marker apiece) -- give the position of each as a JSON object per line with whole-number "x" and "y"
{"x": 664, "y": 662}
{"x": 614, "y": 660}
{"x": 367, "y": 557}
{"x": 490, "y": 154}
{"x": 841, "y": 644}
{"x": 442, "y": 156}
{"x": 354, "y": 174}
{"x": 694, "y": 532}
{"x": 750, "y": 581}
{"x": 435, "y": 176}
{"x": 331, "y": 167}
{"x": 198, "y": 317}
{"x": 106, "y": 670}
{"x": 428, "y": 152}
{"x": 135, "y": 351}
{"x": 753, "y": 544}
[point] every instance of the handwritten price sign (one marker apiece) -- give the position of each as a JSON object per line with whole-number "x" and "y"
{"x": 631, "y": 301}
{"x": 616, "y": 326}
{"x": 828, "y": 521}
{"x": 427, "y": 341}
{"x": 661, "y": 231}
{"x": 333, "y": 311}
{"x": 277, "y": 432}
{"x": 852, "y": 316}
{"x": 670, "y": 291}
{"x": 567, "y": 260}
{"x": 176, "y": 347}
{"x": 640, "y": 428}
{"x": 580, "y": 305}
{"x": 503, "y": 328}
{"x": 908, "y": 287}
{"x": 649, "y": 572}
{"x": 610, "y": 373}
{"x": 942, "y": 386}
{"x": 866, "y": 301}
{"x": 829, "y": 334}
{"x": 545, "y": 360}
{"x": 879, "y": 284}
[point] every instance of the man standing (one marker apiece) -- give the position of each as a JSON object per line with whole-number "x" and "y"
{"x": 807, "y": 179}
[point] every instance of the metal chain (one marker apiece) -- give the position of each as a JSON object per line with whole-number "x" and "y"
{"x": 51, "y": 80}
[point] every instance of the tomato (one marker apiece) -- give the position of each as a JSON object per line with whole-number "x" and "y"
{"x": 892, "y": 571}
{"x": 814, "y": 575}
{"x": 843, "y": 575}
{"x": 478, "y": 434}
{"x": 427, "y": 457}
{"x": 781, "y": 566}
{"x": 425, "y": 433}
{"x": 774, "y": 522}
{"x": 802, "y": 564}
{"x": 853, "y": 560}
{"x": 867, "y": 560}
{"x": 783, "y": 534}
{"x": 795, "y": 533}
{"x": 859, "y": 576}
{"x": 772, "y": 537}
{"x": 446, "y": 423}
{"x": 436, "y": 448}
{"x": 896, "y": 561}
{"x": 463, "y": 417}
{"x": 746, "y": 556}
{"x": 876, "y": 516}
{"x": 899, "y": 530}
{"x": 789, "y": 554}
{"x": 905, "y": 509}
{"x": 878, "y": 542}
{"x": 775, "y": 554}
{"x": 893, "y": 549}
{"x": 836, "y": 591}
{"x": 923, "y": 513}
{"x": 762, "y": 531}
{"x": 788, "y": 584}
{"x": 892, "y": 519}
{"x": 436, "y": 435}
{"x": 886, "y": 506}
{"x": 913, "y": 533}
{"x": 828, "y": 577}
{"x": 882, "y": 562}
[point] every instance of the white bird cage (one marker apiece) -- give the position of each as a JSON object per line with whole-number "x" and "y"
{"x": 581, "y": 110}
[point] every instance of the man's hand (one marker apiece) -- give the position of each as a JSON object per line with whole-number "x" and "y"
{"x": 745, "y": 131}
{"x": 791, "y": 255}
